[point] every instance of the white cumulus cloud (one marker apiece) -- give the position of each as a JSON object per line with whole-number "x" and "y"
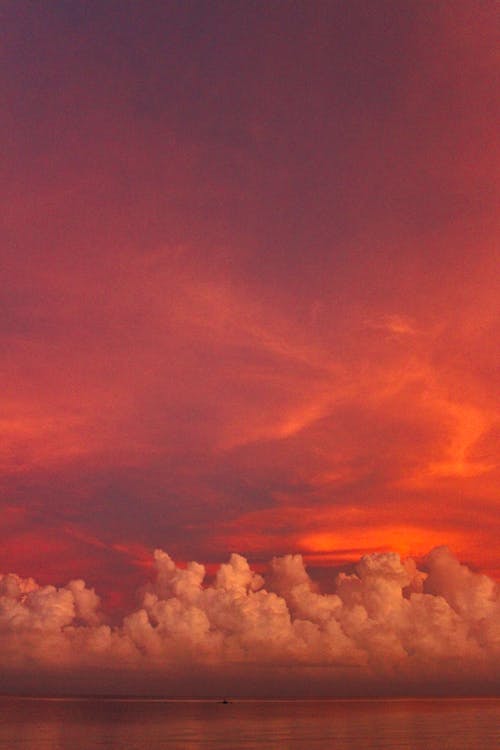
{"x": 388, "y": 626}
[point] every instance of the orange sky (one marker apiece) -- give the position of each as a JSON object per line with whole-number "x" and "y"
{"x": 249, "y": 284}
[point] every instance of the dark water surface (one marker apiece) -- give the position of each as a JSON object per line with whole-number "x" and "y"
{"x": 67, "y": 724}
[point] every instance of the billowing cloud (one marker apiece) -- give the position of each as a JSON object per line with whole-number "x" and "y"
{"x": 387, "y": 626}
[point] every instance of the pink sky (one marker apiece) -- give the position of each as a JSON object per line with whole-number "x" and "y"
{"x": 249, "y": 286}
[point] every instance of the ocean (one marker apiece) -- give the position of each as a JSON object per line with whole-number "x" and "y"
{"x": 137, "y": 724}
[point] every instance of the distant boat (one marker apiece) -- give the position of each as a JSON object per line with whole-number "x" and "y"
{"x": 225, "y": 701}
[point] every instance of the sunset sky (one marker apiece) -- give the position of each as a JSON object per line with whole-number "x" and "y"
{"x": 249, "y": 285}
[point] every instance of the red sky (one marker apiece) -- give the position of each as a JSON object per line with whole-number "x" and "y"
{"x": 249, "y": 284}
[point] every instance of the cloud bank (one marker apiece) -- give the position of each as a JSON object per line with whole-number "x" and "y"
{"x": 388, "y": 627}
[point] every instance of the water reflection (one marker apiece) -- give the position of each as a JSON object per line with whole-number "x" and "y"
{"x": 255, "y": 725}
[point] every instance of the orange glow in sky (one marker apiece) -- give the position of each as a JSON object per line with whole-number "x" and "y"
{"x": 249, "y": 285}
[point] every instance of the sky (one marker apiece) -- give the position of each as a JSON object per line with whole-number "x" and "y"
{"x": 249, "y": 305}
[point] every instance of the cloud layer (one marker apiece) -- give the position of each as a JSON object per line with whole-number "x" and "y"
{"x": 389, "y": 627}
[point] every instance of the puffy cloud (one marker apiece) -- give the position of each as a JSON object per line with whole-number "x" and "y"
{"x": 389, "y": 626}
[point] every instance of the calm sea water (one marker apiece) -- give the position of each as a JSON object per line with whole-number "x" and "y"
{"x": 255, "y": 725}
